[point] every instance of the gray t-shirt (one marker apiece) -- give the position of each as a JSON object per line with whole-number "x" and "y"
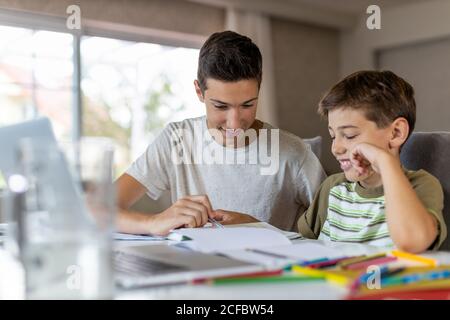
{"x": 274, "y": 178}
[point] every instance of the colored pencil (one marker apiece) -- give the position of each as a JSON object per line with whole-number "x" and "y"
{"x": 372, "y": 262}
{"x": 332, "y": 277}
{"x": 264, "y": 273}
{"x": 267, "y": 279}
{"x": 328, "y": 263}
{"x": 414, "y": 257}
{"x": 344, "y": 264}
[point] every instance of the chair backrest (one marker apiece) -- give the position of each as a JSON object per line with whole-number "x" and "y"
{"x": 316, "y": 145}
{"x": 431, "y": 151}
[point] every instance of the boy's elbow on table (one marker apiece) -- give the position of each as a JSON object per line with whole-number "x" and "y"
{"x": 418, "y": 242}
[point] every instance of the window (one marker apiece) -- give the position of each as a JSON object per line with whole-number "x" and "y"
{"x": 36, "y": 77}
{"x": 129, "y": 90}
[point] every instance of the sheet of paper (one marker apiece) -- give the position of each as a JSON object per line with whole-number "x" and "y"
{"x": 134, "y": 237}
{"x": 268, "y": 261}
{"x": 214, "y": 239}
{"x": 290, "y": 235}
{"x": 304, "y": 251}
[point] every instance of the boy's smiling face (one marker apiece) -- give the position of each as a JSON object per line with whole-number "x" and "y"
{"x": 349, "y": 127}
{"x": 230, "y": 107}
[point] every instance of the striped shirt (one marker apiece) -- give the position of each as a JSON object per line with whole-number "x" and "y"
{"x": 353, "y": 218}
{"x": 344, "y": 211}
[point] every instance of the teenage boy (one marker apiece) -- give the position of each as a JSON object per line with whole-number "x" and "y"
{"x": 227, "y": 165}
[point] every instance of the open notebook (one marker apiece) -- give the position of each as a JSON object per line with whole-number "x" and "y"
{"x": 210, "y": 240}
{"x": 289, "y": 234}
{"x": 211, "y": 252}
{"x": 256, "y": 245}
{"x": 264, "y": 225}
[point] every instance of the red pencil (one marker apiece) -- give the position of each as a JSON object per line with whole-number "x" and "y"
{"x": 242, "y": 275}
{"x": 365, "y": 264}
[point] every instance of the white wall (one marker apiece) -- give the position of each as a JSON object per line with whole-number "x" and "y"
{"x": 414, "y": 42}
{"x": 400, "y": 25}
{"x": 306, "y": 65}
{"x": 426, "y": 66}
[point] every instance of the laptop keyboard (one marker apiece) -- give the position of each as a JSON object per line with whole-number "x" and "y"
{"x": 135, "y": 265}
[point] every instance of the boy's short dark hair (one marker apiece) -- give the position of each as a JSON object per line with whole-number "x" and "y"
{"x": 382, "y": 95}
{"x": 229, "y": 56}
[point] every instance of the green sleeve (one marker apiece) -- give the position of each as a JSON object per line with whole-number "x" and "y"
{"x": 311, "y": 222}
{"x": 429, "y": 191}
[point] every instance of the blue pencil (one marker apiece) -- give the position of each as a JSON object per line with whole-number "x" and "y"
{"x": 416, "y": 277}
{"x": 385, "y": 272}
{"x": 309, "y": 262}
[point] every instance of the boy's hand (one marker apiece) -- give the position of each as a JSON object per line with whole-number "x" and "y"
{"x": 230, "y": 217}
{"x": 366, "y": 157}
{"x": 188, "y": 212}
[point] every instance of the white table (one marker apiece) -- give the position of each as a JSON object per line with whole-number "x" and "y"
{"x": 262, "y": 291}
{"x": 12, "y": 283}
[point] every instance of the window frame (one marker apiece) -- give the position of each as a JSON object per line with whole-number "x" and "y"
{"x": 94, "y": 28}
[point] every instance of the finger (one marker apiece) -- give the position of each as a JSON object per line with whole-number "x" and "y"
{"x": 359, "y": 161}
{"x": 227, "y": 220}
{"x": 187, "y": 221}
{"x": 359, "y": 155}
{"x": 355, "y": 163}
{"x": 362, "y": 163}
{"x": 219, "y": 215}
{"x": 354, "y": 153}
{"x": 197, "y": 206}
{"x": 203, "y": 199}
{"x": 183, "y": 210}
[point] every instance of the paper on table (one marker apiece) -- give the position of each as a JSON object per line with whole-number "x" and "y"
{"x": 215, "y": 240}
{"x": 290, "y": 235}
{"x": 134, "y": 237}
{"x": 268, "y": 261}
{"x": 281, "y": 256}
{"x": 304, "y": 251}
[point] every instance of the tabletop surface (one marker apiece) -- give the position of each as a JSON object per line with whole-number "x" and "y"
{"x": 11, "y": 280}
{"x": 314, "y": 290}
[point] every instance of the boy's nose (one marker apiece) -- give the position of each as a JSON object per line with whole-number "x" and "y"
{"x": 234, "y": 119}
{"x": 337, "y": 148}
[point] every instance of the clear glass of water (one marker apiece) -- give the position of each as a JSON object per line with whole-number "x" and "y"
{"x": 66, "y": 218}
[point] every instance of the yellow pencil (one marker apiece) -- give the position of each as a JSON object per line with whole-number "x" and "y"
{"x": 329, "y": 276}
{"x": 414, "y": 257}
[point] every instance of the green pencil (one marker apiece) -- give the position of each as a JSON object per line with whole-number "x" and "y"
{"x": 269, "y": 279}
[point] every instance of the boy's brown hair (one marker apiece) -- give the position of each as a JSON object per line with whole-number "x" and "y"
{"x": 382, "y": 95}
{"x": 229, "y": 56}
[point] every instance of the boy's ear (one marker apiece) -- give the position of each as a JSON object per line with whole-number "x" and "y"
{"x": 400, "y": 131}
{"x": 199, "y": 91}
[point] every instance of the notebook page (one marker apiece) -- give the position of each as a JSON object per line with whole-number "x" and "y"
{"x": 305, "y": 250}
{"x": 215, "y": 240}
{"x": 289, "y": 234}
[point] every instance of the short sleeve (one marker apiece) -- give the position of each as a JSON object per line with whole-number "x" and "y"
{"x": 311, "y": 222}
{"x": 429, "y": 191}
{"x": 309, "y": 178}
{"x": 152, "y": 167}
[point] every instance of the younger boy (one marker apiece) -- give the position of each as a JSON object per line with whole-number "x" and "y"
{"x": 375, "y": 200}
